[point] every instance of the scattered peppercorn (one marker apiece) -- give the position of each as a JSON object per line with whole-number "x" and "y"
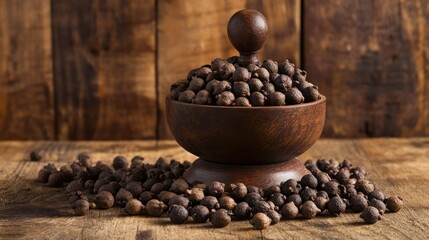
{"x": 200, "y": 214}
{"x": 178, "y": 214}
{"x": 134, "y": 207}
{"x": 370, "y": 215}
{"x": 358, "y": 203}
{"x": 336, "y": 206}
{"x": 260, "y": 221}
{"x": 289, "y": 210}
{"x": 227, "y": 203}
{"x": 104, "y": 200}
{"x": 394, "y": 204}
{"x": 81, "y": 207}
{"x": 220, "y": 218}
{"x": 309, "y": 209}
{"x": 36, "y": 155}
{"x": 216, "y": 188}
{"x": 123, "y": 197}
{"x": 155, "y": 208}
{"x": 242, "y": 210}
{"x": 378, "y": 204}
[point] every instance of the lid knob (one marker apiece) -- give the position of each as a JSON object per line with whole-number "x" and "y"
{"x": 247, "y": 31}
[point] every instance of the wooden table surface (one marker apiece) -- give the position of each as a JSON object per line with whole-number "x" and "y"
{"x": 30, "y": 210}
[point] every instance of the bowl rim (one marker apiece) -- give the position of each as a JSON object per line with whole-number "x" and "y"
{"x": 321, "y": 100}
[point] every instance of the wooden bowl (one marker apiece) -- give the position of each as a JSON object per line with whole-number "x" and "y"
{"x": 246, "y": 135}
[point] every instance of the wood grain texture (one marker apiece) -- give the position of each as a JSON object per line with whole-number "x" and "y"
{"x": 370, "y": 59}
{"x": 104, "y": 69}
{"x": 192, "y": 33}
{"x": 397, "y": 166}
{"x": 26, "y": 84}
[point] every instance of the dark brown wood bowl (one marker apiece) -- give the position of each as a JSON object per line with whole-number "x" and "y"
{"x": 246, "y": 135}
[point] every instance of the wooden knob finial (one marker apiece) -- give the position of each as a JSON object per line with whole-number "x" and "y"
{"x": 247, "y": 31}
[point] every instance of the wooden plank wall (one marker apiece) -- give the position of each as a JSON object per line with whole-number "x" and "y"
{"x": 100, "y": 69}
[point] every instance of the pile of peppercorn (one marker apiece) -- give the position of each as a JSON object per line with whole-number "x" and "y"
{"x": 225, "y": 83}
{"x": 157, "y": 189}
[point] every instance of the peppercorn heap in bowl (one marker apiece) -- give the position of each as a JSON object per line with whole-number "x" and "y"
{"x": 225, "y": 83}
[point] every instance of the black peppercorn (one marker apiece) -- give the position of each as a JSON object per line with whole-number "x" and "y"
{"x": 220, "y": 218}
{"x": 81, "y": 207}
{"x": 179, "y": 186}
{"x": 226, "y": 98}
{"x": 322, "y": 179}
{"x": 225, "y": 71}
{"x": 210, "y": 202}
{"x": 377, "y": 194}
{"x": 255, "y": 85}
{"x": 89, "y": 186}
{"x": 178, "y": 214}
{"x": 134, "y": 207}
{"x": 272, "y": 190}
{"x": 135, "y": 188}
{"x": 55, "y": 179}
{"x": 120, "y": 162}
{"x": 309, "y": 180}
{"x": 343, "y": 175}
{"x": 310, "y": 94}
{"x": 271, "y": 66}
{"x": 252, "y": 67}
{"x": 195, "y": 194}
{"x": 293, "y": 96}
{"x": 308, "y": 194}
{"x": 274, "y": 216}
{"x": 251, "y": 189}
{"x": 203, "y": 97}
{"x": 282, "y": 82}
{"x": 262, "y": 74}
{"x": 241, "y": 74}
{"x": 200, "y": 214}
{"x": 67, "y": 173}
{"x": 192, "y": 73}
{"x": 217, "y": 63}
{"x": 177, "y": 88}
{"x": 36, "y": 155}
{"x": 157, "y": 188}
{"x": 290, "y": 187}
{"x": 253, "y": 198}
{"x": 278, "y": 199}
{"x": 358, "y": 203}
{"x": 241, "y": 89}
{"x": 394, "y": 204}
{"x": 165, "y": 196}
{"x": 179, "y": 200}
{"x": 332, "y": 188}
{"x": 75, "y": 185}
{"x": 336, "y": 206}
{"x": 364, "y": 186}
{"x": 260, "y": 221}
{"x": 286, "y": 68}
{"x": 122, "y": 197}
{"x": 267, "y": 88}
{"x": 277, "y": 99}
{"x": 370, "y": 215}
{"x": 210, "y": 85}
{"x": 242, "y": 210}
{"x": 186, "y": 96}
{"x": 227, "y": 203}
{"x": 242, "y": 101}
{"x": 257, "y": 99}
{"x": 196, "y": 84}
{"x": 216, "y": 188}
{"x": 84, "y": 159}
{"x": 43, "y": 175}
{"x": 289, "y": 210}
{"x": 203, "y": 72}
{"x": 261, "y": 206}
{"x": 378, "y": 204}
{"x": 104, "y": 200}
{"x": 309, "y": 210}
{"x": 300, "y": 75}
{"x": 321, "y": 202}
{"x": 155, "y": 208}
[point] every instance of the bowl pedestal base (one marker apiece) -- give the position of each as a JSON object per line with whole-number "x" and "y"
{"x": 263, "y": 175}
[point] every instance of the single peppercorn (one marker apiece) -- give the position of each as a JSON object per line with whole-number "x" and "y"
{"x": 226, "y": 98}
{"x": 177, "y": 88}
{"x": 278, "y": 199}
{"x": 75, "y": 185}
{"x": 203, "y": 72}
{"x": 282, "y": 82}
{"x": 227, "y": 203}
{"x": 261, "y": 206}
{"x": 378, "y": 204}
{"x": 295, "y": 198}
{"x": 308, "y": 194}
{"x": 370, "y": 215}
{"x": 291, "y": 186}
{"x": 179, "y": 186}
{"x": 242, "y": 210}
{"x": 321, "y": 202}
{"x": 277, "y": 99}
{"x": 55, "y": 179}
{"x": 155, "y": 208}
{"x": 377, "y": 194}
{"x": 255, "y": 85}
{"x": 220, "y": 218}
{"x": 178, "y": 214}
{"x": 364, "y": 186}
{"x": 394, "y": 204}
{"x": 211, "y": 85}
{"x": 309, "y": 209}
{"x": 67, "y": 173}
{"x": 200, "y": 214}
{"x": 195, "y": 194}
{"x": 274, "y": 216}
{"x": 36, "y": 155}
{"x": 122, "y": 197}
{"x": 210, "y": 202}
{"x": 225, "y": 71}
{"x": 81, "y": 207}
{"x": 289, "y": 210}
{"x": 134, "y": 207}
{"x": 192, "y": 73}
{"x": 241, "y": 74}
{"x": 186, "y": 96}
{"x": 120, "y": 162}
{"x": 135, "y": 188}
{"x": 322, "y": 179}
{"x": 179, "y": 200}
{"x": 310, "y": 94}
{"x": 196, "y": 84}
{"x": 241, "y": 89}
{"x": 253, "y": 198}
{"x": 216, "y": 188}
{"x": 84, "y": 159}
{"x": 217, "y": 63}
{"x": 104, "y": 200}
{"x": 251, "y": 189}
{"x": 257, "y": 99}
{"x": 252, "y": 67}
{"x": 309, "y": 180}
{"x": 286, "y": 68}
{"x": 358, "y": 203}
{"x": 242, "y": 101}
{"x": 166, "y": 196}
{"x": 300, "y": 75}
{"x": 271, "y": 66}
{"x": 267, "y": 88}
{"x": 260, "y": 221}
{"x": 262, "y": 74}
{"x": 203, "y": 97}
{"x": 43, "y": 175}
{"x": 336, "y": 206}
{"x": 331, "y": 188}
{"x": 293, "y": 96}
{"x": 343, "y": 175}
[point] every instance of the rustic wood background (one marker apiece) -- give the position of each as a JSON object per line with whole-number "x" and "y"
{"x": 100, "y": 69}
